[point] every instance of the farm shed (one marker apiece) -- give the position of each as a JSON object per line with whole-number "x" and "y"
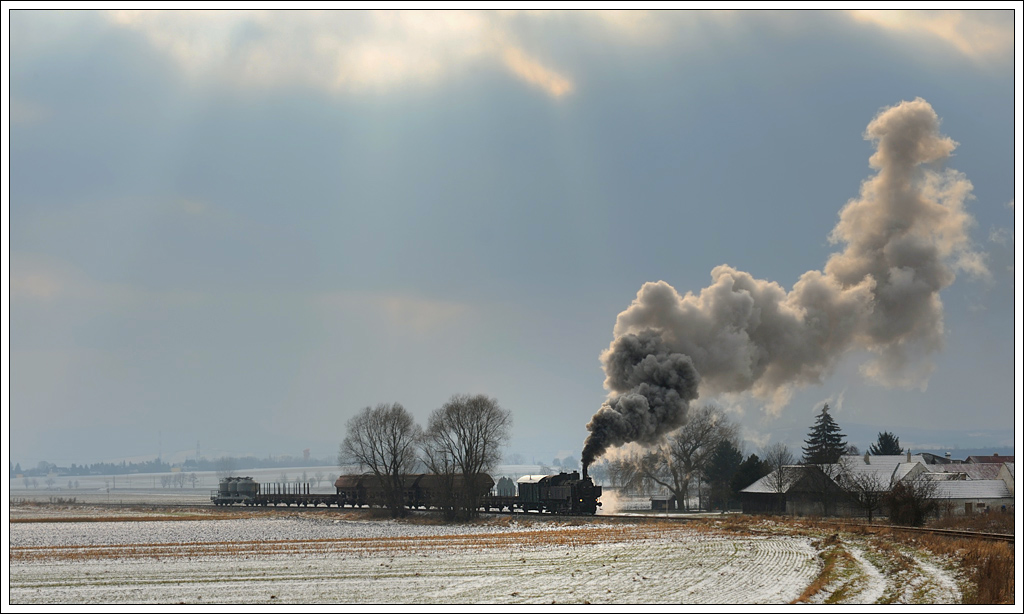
{"x": 794, "y": 489}
{"x": 662, "y": 503}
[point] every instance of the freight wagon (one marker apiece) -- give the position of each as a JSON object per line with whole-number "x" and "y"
{"x": 565, "y": 493}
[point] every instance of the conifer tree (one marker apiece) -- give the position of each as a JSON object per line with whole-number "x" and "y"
{"x": 722, "y": 467}
{"x": 825, "y": 442}
{"x": 887, "y": 444}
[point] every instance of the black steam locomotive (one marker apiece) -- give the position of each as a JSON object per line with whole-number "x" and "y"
{"x": 564, "y": 493}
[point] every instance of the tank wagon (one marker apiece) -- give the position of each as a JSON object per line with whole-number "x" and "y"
{"x": 247, "y": 491}
{"x": 565, "y": 493}
{"x": 235, "y": 490}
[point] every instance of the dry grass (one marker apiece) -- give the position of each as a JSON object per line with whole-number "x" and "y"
{"x": 996, "y": 522}
{"x": 988, "y": 566}
{"x": 837, "y": 564}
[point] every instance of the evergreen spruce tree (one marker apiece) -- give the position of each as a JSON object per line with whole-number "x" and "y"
{"x": 722, "y": 467}
{"x": 750, "y": 470}
{"x": 887, "y": 444}
{"x": 825, "y": 444}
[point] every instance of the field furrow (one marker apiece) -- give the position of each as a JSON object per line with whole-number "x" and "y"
{"x": 275, "y": 559}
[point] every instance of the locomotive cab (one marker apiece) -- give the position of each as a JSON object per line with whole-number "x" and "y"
{"x": 564, "y": 493}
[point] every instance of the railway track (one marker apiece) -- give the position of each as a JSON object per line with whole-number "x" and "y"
{"x": 845, "y": 525}
{"x": 1002, "y": 537}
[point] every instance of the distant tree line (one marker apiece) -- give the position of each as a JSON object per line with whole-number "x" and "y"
{"x": 223, "y": 464}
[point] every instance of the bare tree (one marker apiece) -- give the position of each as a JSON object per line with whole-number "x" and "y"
{"x": 623, "y": 472}
{"x": 225, "y": 467}
{"x": 692, "y": 446}
{"x": 866, "y": 488}
{"x": 463, "y": 439}
{"x": 383, "y": 439}
{"x": 910, "y": 501}
{"x": 683, "y": 460}
{"x": 777, "y": 457}
{"x": 657, "y": 467}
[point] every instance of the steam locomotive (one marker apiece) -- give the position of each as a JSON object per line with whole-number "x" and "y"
{"x": 564, "y": 493}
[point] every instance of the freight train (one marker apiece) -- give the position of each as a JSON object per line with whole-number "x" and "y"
{"x": 564, "y": 493}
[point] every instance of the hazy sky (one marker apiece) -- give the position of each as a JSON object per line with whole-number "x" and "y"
{"x": 237, "y": 229}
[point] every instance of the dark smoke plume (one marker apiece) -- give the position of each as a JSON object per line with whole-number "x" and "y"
{"x": 904, "y": 236}
{"x": 657, "y": 386}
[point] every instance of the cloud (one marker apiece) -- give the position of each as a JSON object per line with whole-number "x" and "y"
{"x": 38, "y": 282}
{"x": 26, "y": 112}
{"x": 339, "y": 51}
{"x": 401, "y": 314}
{"x": 535, "y": 73}
{"x": 193, "y": 207}
{"x": 834, "y": 402}
{"x": 1002, "y": 235}
{"x": 360, "y": 51}
{"x": 980, "y": 35}
{"x": 36, "y": 285}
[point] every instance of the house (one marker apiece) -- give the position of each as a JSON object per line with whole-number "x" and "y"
{"x": 975, "y": 485}
{"x": 995, "y": 458}
{"x": 966, "y": 471}
{"x": 935, "y": 459}
{"x": 1006, "y": 475}
{"x": 886, "y": 469}
{"x": 958, "y": 497}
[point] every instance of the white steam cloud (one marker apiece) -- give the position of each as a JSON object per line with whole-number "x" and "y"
{"x": 905, "y": 235}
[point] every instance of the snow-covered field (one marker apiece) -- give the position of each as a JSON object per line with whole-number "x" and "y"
{"x": 333, "y": 556}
